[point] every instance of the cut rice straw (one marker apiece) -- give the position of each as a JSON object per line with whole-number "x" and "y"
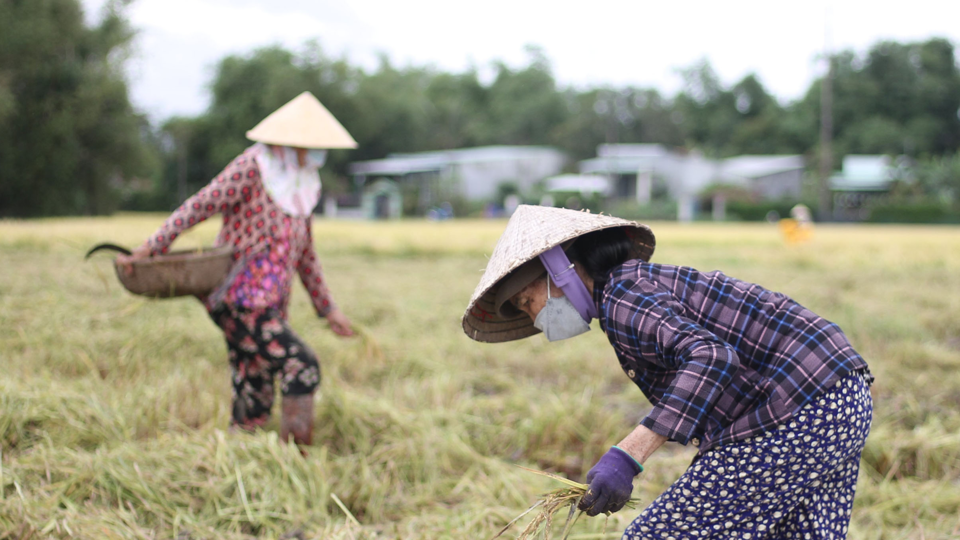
{"x": 369, "y": 342}
{"x": 352, "y": 522}
{"x": 344, "y": 508}
{"x": 549, "y": 504}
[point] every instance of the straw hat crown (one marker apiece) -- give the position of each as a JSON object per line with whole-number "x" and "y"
{"x": 304, "y": 123}
{"x": 531, "y": 231}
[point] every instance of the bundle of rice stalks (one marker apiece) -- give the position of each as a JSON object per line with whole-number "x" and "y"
{"x": 369, "y": 343}
{"x": 550, "y": 504}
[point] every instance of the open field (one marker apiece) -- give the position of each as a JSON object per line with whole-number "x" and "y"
{"x": 113, "y": 408}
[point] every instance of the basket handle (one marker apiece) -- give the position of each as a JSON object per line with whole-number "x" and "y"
{"x": 111, "y": 247}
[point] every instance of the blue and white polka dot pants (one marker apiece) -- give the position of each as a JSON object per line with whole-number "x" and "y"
{"x": 796, "y": 482}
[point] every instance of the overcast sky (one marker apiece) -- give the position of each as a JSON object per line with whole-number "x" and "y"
{"x": 593, "y": 42}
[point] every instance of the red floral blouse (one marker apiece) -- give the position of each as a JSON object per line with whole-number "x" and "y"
{"x": 269, "y": 245}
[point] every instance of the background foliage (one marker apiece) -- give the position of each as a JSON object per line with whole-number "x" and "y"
{"x": 71, "y": 142}
{"x": 68, "y": 134}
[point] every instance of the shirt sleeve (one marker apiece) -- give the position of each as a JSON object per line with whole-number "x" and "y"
{"x": 222, "y": 193}
{"x": 647, "y": 321}
{"x": 312, "y": 276}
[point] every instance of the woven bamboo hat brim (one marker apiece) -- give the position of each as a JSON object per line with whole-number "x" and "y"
{"x": 302, "y": 123}
{"x": 531, "y": 231}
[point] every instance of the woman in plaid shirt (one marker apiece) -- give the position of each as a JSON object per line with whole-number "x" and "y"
{"x": 774, "y": 397}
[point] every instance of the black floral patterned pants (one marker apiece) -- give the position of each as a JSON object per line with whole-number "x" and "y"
{"x": 262, "y": 347}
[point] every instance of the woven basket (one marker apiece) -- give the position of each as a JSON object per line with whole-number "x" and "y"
{"x": 178, "y": 273}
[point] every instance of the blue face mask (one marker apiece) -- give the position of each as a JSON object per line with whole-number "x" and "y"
{"x": 559, "y": 319}
{"x": 317, "y": 157}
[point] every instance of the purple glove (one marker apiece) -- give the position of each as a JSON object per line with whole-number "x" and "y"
{"x": 611, "y": 482}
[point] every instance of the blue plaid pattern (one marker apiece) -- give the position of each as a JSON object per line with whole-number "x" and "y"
{"x": 720, "y": 359}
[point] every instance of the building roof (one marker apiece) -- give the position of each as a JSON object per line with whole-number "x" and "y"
{"x": 632, "y": 150}
{"x": 864, "y": 173}
{"x": 629, "y": 158}
{"x": 609, "y": 165}
{"x": 751, "y": 167}
{"x": 400, "y": 164}
{"x": 583, "y": 183}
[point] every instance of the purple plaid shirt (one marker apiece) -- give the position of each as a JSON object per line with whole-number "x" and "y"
{"x": 720, "y": 359}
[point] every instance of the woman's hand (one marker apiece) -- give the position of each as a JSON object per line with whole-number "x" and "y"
{"x": 126, "y": 261}
{"x": 611, "y": 483}
{"x": 339, "y": 323}
{"x": 611, "y": 479}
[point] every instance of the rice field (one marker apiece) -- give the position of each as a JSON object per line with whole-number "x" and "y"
{"x": 114, "y": 408}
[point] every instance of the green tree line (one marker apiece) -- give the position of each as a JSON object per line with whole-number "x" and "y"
{"x": 69, "y": 137}
{"x": 71, "y": 143}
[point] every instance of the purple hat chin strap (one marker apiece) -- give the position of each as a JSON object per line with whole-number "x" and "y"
{"x": 564, "y": 275}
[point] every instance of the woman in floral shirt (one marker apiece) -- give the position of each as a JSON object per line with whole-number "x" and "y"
{"x": 265, "y": 197}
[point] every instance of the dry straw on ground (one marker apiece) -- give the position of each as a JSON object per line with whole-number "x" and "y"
{"x": 549, "y": 505}
{"x": 113, "y": 407}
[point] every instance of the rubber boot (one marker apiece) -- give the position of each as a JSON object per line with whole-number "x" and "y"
{"x": 297, "y": 419}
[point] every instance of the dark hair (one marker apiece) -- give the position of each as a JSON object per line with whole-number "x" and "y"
{"x": 600, "y": 251}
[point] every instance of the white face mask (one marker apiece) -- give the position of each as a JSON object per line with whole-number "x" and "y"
{"x": 559, "y": 319}
{"x": 295, "y": 189}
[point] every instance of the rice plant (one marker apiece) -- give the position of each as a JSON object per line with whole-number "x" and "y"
{"x": 114, "y": 408}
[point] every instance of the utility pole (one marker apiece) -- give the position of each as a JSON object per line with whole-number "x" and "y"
{"x": 826, "y": 130}
{"x": 182, "y": 169}
{"x": 826, "y": 142}
{"x": 613, "y": 136}
{"x": 180, "y": 132}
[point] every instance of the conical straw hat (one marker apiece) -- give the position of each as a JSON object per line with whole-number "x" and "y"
{"x": 531, "y": 231}
{"x": 303, "y": 123}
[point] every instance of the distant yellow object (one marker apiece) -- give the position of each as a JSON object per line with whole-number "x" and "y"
{"x": 794, "y": 231}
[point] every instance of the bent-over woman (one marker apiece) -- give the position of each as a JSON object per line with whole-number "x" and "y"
{"x": 774, "y": 397}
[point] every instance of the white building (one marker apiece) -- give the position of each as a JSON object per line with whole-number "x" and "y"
{"x": 775, "y": 177}
{"x": 643, "y": 172}
{"x": 864, "y": 173}
{"x": 473, "y": 174}
{"x": 862, "y": 180}
{"x": 585, "y": 184}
